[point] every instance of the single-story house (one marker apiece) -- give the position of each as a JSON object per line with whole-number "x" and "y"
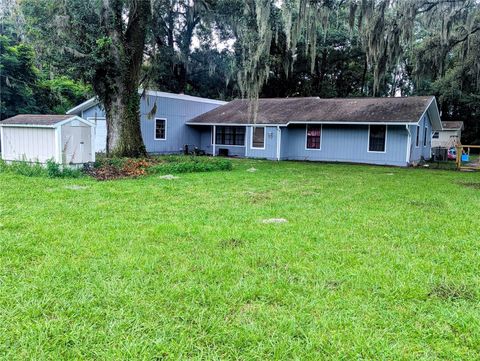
{"x": 65, "y": 139}
{"x": 387, "y": 131}
{"x": 449, "y": 136}
{"x": 163, "y": 120}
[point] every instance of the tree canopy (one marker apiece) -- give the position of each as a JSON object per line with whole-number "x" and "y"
{"x": 240, "y": 48}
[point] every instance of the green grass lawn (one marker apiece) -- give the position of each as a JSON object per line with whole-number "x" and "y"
{"x": 374, "y": 263}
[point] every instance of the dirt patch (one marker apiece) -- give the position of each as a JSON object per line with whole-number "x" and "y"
{"x": 452, "y": 292}
{"x": 420, "y": 203}
{"x": 474, "y": 185}
{"x": 232, "y": 243}
{"x": 258, "y": 197}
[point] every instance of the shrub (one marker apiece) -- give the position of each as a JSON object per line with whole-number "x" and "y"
{"x": 51, "y": 170}
{"x": 192, "y": 165}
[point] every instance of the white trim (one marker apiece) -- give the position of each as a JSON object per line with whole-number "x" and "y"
{"x": 191, "y": 98}
{"x": 155, "y": 129}
{"x": 58, "y": 145}
{"x": 83, "y": 106}
{"x": 409, "y": 143}
{"x": 306, "y": 137}
{"x": 49, "y": 126}
{"x": 279, "y": 141}
{"x": 417, "y": 136}
{"x": 92, "y": 142}
{"x": 425, "y": 131}
{"x": 95, "y": 101}
{"x": 386, "y": 137}
{"x": 231, "y": 145}
{"x": 264, "y": 136}
{"x": 300, "y": 122}
{"x": 214, "y": 139}
{"x": 2, "y": 143}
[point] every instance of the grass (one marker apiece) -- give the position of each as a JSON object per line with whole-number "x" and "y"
{"x": 374, "y": 263}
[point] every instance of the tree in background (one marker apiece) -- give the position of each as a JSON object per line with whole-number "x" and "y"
{"x": 104, "y": 43}
{"x": 327, "y": 48}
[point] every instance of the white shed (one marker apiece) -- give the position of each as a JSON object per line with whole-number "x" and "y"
{"x": 66, "y": 139}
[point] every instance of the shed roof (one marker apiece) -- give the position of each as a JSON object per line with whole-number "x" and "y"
{"x": 35, "y": 119}
{"x": 282, "y": 111}
{"x": 452, "y": 125}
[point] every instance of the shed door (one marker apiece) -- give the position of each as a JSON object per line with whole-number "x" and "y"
{"x": 76, "y": 143}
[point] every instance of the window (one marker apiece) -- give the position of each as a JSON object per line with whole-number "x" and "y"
{"x": 230, "y": 136}
{"x": 417, "y": 141}
{"x": 314, "y": 135}
{"x": 258, "y": 137}
{"x": 425, "y": 137}
{"x": 160, "y": 129}
{"x": 436, "y": 135}
{"x": 377, "y": 138}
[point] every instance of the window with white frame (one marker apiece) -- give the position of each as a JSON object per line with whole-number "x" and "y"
{"x": 229, "y": 135}
{"x": 417, "y": 141}
{"x": 425, "y": 131}
{"x": 258, "y": 137}
{"x": 160, "y": 129}
{"x": 377, "y": 138}
{"x": 436, "y": 135}
{"x": 314, "y": 136}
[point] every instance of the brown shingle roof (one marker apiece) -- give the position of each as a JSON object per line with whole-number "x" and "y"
{"x": 284, "y": 110}
{"x": 452, "y": 125}
{"x": 35, "y": 119}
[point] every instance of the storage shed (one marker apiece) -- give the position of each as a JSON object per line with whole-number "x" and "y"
{"x": 66, "y": 139}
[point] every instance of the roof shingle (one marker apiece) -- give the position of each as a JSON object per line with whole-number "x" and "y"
{"x": 281, "y": 111}
{"x": 35, "y": 119}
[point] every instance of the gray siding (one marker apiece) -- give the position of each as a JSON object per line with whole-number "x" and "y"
{"x": 176, "y": 111}
{"x": 345, "y": 143}
{"x": 270, "y": 151}
{"x": 416, "y": 153}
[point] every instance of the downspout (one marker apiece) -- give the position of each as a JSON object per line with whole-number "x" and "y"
{"x": 214, "y": 136}
{"x": 248, "y": 130}
{"x": 279, "y": 141}
{"x": 409, "y": 143}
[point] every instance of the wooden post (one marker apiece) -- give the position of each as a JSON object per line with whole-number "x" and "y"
{"x": 459, "y": 156}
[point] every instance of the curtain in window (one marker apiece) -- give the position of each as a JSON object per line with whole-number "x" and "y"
{"x": 314, "y": 133}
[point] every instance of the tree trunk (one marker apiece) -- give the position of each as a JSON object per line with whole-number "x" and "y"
{"x": 121, "y": 100}
{"x": 124, "y": 136}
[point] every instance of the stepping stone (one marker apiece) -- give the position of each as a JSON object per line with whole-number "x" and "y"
{"x": 274, "y": 220}
{"x": 168, "y": 176}
{"x": 252, "y": 170}
{"x": 76, "y": 187}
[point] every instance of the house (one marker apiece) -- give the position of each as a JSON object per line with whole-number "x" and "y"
{"x": 65, "y": 139}
{"x": 163, "y": 120}
{"x": 449, "y": 136}
{"x": 386, "y": 131}
{"x": 390, "y": 131}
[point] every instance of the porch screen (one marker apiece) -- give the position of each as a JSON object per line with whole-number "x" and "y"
{"x": 377, "y": 138}
{"x": 230, "y": 135}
